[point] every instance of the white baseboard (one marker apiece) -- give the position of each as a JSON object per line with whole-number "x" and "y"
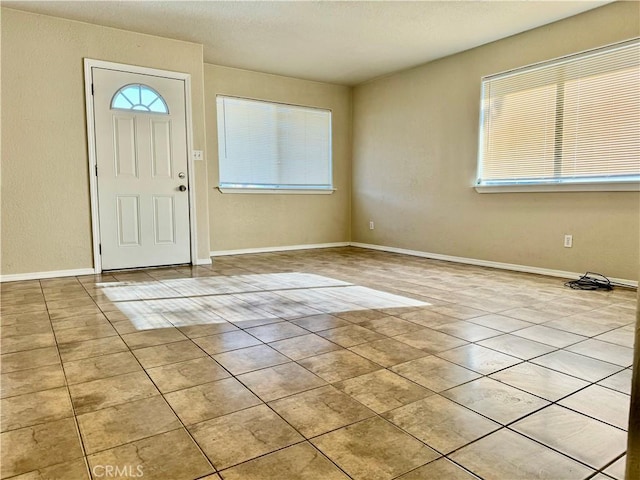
{"x": 16, "y": 277}
{"x": 244, "y": 251}
{"x": 416, "y": 253}
{"x": 489, "y": 263}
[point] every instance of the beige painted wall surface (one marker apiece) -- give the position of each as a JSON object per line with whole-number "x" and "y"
{"x": 239, "y": 221}
{"x": 46, "y": 221}
{"x": 415, "y": 147}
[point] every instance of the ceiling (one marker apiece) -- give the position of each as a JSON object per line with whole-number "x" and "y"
{"x": 343, "y": 42}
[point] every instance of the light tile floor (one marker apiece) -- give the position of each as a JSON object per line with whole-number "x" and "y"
{"x": 320, "y": 364}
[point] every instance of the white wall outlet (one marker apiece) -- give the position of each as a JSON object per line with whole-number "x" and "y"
{"x": 371, "y": 225}
{"x": 568, "y": 241}
{"x": 198, "y": 155}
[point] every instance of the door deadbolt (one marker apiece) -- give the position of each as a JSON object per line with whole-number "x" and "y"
{"x": 181, "y": 175}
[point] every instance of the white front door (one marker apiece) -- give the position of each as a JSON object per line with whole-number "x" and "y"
{"x": 142, "y": 178}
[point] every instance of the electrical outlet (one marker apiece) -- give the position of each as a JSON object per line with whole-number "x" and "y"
{"x": 371, "y": 225}
{"x": 198, "y": 155}
{"x": 568, "y": 241}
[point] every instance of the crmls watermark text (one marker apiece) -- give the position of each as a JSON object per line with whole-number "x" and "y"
{"x": 110, "y": 471}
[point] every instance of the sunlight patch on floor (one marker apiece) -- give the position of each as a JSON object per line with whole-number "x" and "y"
{"x": 242, "y": 298}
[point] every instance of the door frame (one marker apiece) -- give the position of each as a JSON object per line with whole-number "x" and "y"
{"x": 91, "y": 144}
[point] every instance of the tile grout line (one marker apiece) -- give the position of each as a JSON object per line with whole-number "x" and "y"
{"x": 66, "y": 382}
{"x": 483, "y": 375}
{"x": 160, "y": 394}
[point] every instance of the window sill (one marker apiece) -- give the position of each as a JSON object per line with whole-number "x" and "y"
{"x": 563, "y": 187}
{"x": 271, "y": 191}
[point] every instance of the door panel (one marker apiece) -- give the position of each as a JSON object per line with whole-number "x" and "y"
{"x": 128, "y": 220}
{"x": 161, "y": 148}
{"x": 164, "y": 219}
{"x": 142, "y": 161}
{"x": 126, "y": 158}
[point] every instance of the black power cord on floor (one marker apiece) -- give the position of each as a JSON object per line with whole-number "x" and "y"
{"x": 590, "y": 281}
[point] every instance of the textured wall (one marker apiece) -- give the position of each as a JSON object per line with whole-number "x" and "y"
{"x": 415, "y": 142}
{"x": 46, "y": 218}
{"x": 414, "y": 164}
{"x": 240, "y": 221}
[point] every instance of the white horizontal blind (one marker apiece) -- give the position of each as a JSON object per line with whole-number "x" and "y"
{"x": 573, "y": 120}
{"x": 272, "y": 145}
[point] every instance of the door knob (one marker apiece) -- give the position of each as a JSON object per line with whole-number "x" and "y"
{"x": 182, "y": 188}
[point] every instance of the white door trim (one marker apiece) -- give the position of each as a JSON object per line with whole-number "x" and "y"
{"x": 93, "y": 183}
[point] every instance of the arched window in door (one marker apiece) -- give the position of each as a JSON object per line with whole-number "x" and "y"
{"x": 137, "y": 96}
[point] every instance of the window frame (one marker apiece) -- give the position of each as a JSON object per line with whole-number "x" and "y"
{"x": 515, "y": 185}
{"x": 248, "y": 188}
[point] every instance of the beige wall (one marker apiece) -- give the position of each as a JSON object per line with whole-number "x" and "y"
{"x": 239, "y": 221}
{"x": 414, "y": 149}
{"x": 46, "y": 222}
{"x": 414, "y": 161}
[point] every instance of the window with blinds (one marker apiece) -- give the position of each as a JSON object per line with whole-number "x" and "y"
{"x": 272, "y": 146}
{"x": 575, "y": 120}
